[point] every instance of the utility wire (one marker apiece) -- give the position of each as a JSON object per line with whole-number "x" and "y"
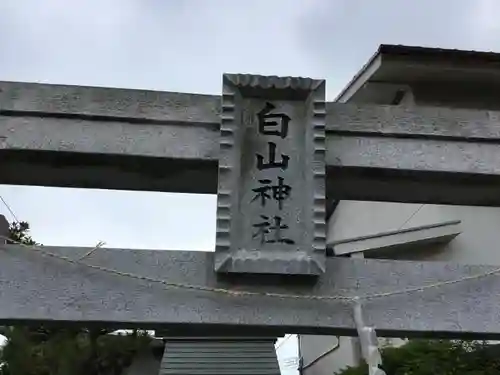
{"x": 284, "y": 340}
{"x": 411, "y": 216}
{"x": 9, "y": 209}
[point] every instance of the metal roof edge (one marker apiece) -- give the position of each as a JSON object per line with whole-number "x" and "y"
{"x": 363, "y": 69}
{"x": 399, "y": 231}
{"x": 429, "y": 52}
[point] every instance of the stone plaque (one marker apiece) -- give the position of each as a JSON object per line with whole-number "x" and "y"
{"x": 271, "y": 192}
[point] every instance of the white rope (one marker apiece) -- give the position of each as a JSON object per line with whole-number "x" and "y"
{"x": 203, "y": 288}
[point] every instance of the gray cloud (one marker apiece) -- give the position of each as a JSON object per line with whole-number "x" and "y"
{"x": 166, "y": 45}
{"x": 186, "y": 46}
{"x": 341, "y": 35}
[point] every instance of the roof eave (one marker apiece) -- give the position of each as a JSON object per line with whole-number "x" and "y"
{"x": 361, "y": 77}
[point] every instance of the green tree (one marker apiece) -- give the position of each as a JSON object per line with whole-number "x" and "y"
{"x": 437, "y": 357}
{"x": 40, "y": 350}
{"x": 19, "y": 233}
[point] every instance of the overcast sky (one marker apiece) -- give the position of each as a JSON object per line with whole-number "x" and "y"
{"x": 186, "y": 46}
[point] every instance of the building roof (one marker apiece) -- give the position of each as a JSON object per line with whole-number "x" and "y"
{"x": 230, "y": 356}
{"x": 417, "y": 55}
{"x": 207, "y": 355}
{"x": 438, "y": 53}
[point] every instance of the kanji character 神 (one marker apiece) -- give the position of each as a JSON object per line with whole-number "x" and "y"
{"x": 278, "y": 192}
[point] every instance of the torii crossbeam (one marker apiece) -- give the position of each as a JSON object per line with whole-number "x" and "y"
{"x": 142, "y": 140}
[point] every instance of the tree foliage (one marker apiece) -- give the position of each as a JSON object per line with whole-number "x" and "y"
{"x": 40, "y": 350}
{"x": 437, "y": 357}
{"x": 19, "y": 233}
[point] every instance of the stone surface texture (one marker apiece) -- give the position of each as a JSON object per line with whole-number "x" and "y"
{"x": 94, "y": 137}
{"x": 142, "y": 140}
{"x": 288, "y": 197}
{"x": 34, "y": 287}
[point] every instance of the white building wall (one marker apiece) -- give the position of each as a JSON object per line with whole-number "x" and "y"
{"x": 327, "y": 354}
{"x": 479, "y": 243}
{"x": 457, "y": 95}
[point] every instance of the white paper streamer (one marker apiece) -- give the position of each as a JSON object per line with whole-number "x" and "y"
{"x": 368, "y": 340}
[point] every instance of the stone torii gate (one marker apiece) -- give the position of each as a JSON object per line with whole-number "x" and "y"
{"x": 276, "y": 154}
